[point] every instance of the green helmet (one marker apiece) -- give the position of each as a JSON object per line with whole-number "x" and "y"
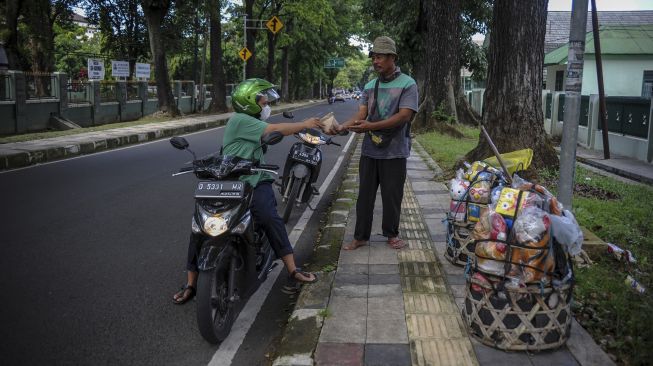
{"x": 245, "y": 97}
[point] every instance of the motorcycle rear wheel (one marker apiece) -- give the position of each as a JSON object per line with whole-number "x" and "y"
{"x": 215, "y": 315}
{"x": 295, "y": 184}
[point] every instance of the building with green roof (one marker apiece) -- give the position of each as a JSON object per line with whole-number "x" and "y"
{"x": 627, "y": 55}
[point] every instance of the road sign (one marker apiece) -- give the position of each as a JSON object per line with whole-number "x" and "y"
{"x": 245, "y": 54}
{"x": 142, "y": 70}
{"x": 120, "y": 69}
{"x": 334, "y": 63}
{"x": 274, "y": 24}
{"x": 95, "y": 69}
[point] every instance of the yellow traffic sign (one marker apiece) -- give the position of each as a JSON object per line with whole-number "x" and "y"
{"x": 274, "y": 24}
{"x": 245, "y": 54}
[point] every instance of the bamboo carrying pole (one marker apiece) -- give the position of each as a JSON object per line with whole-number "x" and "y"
{"x": 496, "y": 153}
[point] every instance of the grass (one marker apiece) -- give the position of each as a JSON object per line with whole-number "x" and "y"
{"x": 446, "y": 150}
{"x": 618, "y": 318}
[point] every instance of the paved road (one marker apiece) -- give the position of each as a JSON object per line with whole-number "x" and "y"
{"x": 93, "y": 247}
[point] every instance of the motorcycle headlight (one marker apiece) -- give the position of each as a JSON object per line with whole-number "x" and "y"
{"x": 215, "y": 225}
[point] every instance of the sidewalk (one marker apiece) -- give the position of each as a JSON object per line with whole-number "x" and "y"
{"x": 401, "y": 307}
{"x": 21, "y": 154}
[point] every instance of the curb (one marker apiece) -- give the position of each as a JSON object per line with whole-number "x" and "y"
{"x": 46, "y": 150}
{"x": 302, "y": 333}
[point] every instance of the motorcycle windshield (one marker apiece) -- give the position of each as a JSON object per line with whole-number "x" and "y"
{"x": 228, "y": 165}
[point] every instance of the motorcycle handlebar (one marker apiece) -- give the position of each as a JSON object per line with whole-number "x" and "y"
{"x": 268, "y": 167}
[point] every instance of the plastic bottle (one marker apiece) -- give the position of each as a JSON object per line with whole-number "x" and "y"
{"x": 630, "y": 281}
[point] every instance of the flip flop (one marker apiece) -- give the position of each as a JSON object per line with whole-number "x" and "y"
{"x": 293, "y": 276}
{"x": 183, "y": 299}
{"x": 353, "y": 245}
{"x": 396, "y": 243}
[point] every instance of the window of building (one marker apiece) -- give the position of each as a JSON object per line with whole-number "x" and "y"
{"x": 560, "y": 77}
{"x": 647, "y": 84}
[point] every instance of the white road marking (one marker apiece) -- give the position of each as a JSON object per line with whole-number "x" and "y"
{"x": 228, "y": 348}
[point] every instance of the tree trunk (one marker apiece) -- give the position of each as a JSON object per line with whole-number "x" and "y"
{"x": 441, "y": 57}
{"x": 155, "y": 11}
{"x": 250, "y": 41}
{"x": 285, "y": 74}
{"x": 269, "y": 69}
{"x": 13, "y": 8}
{"x": 464, "y": 112}
{"x": 218, "y": 96}
{"x": 513, "y": 97}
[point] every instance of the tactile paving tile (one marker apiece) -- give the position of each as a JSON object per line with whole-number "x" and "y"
{"x": 414, "y": 255}
{"x": 423, "y": 284}
{"x": 419, "y": 269}
{"x": 451, "y": 352}
{"x": 435, "y": 326}
{"x": 429, "y": 304}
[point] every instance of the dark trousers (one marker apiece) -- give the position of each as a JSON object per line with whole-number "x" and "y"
{"x": 264, "y": 212}
{"x": 390, "y": 174}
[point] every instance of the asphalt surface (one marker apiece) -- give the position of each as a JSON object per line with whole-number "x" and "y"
{"x": 93, "y": 248}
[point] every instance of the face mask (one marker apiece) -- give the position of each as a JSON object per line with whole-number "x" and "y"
{"x": 265, "y": 112}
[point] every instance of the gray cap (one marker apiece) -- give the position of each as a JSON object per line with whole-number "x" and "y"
{"x": 384, "y": 45}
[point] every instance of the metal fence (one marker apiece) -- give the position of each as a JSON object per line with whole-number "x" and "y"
{"x": 79, "y": 92}
{"x": 108, "y": 91}
{"x": 132, "y": 90}
{"x": 6, "y": 91}
{"x": 187, "y": 89}
{"x": 40, "y": 85}
{"x": 151, "y": 90}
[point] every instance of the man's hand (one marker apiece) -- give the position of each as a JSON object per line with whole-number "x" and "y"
{"x": 360, "y": 126}
{"x": 312, "y": 123}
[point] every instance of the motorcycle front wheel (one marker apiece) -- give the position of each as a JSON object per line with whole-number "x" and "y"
{"x": 215, "y": 315}
{"x": 295, "y": 184}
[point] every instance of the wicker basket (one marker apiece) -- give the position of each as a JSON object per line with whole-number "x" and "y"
{"x": 460, "y": 246}
{"x": 531, "y": 318}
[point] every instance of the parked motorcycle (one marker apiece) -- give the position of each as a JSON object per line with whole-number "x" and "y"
{"x": 235, "y": 255}
{"x": 302, "y": 168}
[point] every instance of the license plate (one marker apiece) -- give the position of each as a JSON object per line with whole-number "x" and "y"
{"x": 305, "y": 157}
{"x": 220, "y": 189}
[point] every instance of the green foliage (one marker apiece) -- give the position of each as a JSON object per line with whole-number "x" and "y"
{"x": 73, "y": 48}
{"x": 441, "y": 114}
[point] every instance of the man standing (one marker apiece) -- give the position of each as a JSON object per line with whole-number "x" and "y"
{"x": 386, "y": 108}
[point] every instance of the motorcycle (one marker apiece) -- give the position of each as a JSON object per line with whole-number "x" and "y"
{"x": 331, "y": 99}
{"x": 302, "y": 168}
{"x": 235, "y": 255}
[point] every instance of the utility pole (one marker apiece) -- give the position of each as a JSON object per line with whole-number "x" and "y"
{"x": 573, "y": 87}
{"x": 599, "y": 78}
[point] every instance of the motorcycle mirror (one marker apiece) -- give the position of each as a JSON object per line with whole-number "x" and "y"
{"x": 288, "y": 114}
{"x": 272, "y": 138}
{"x": 179, "y": 143}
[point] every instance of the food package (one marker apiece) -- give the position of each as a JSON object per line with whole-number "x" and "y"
{"x": 479, "y": 191}
{"x": 475, "y": 211}
{"x": 507, "y": 202}
{"x": 458, "y": 188}
{"x": 457, "y": 210}
{"x": 532, "y": 256}
{"x": 490, "y": 227}
{"x": 328, "y": 124}
{"x": 477, "y": 169}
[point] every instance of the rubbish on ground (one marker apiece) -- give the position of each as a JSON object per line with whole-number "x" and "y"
{"x": 634, "y": 284}
{"x": 621, "y": 254}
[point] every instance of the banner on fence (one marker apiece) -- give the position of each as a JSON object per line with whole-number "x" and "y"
{"x": 95, "y": 69}
{"x": 142, "y": 70}
{"x": 120, "y": 69}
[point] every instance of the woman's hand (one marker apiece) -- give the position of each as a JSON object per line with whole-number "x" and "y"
{"x": 312, "y": 123}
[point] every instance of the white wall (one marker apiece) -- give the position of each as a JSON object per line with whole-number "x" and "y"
{"x": 621, "y": 76}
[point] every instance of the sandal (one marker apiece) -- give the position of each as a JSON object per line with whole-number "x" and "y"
{"x": 186, "y": 293}
{"x": 354, "y": 244}
{"x": 396, "y": 243}
{"x": 293, "y": 276}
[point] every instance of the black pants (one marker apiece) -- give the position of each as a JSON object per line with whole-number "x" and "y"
{"x": 264, "y": 213}
{"x": 390, "y": 174}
